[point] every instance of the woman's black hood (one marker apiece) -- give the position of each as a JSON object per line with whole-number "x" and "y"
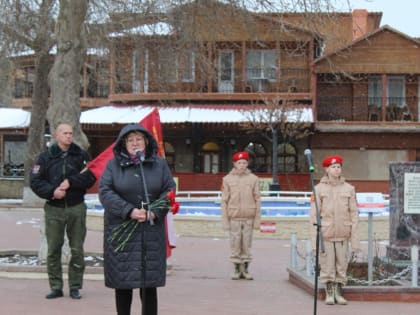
{"x": 120, "y": 148}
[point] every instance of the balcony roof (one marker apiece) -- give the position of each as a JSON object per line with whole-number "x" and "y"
{"x": 14, "y": 118}
{"x": 181, "y": 114}
{"x": 115, "y": 114}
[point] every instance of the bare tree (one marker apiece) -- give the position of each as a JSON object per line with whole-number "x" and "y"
{"x": 27, "y": 25}
{"x": 30, "y": 24}
{"x": 278, "y": 119}
{"x": 65, "y": 75}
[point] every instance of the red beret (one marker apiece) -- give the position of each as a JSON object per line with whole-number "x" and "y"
{"x": 333, "y": 159}
{"x": 240, "y": 156}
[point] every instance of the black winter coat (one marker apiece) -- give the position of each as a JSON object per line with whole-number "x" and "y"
{"x": 54, "y": 166}
{"x": 120, "y": 191}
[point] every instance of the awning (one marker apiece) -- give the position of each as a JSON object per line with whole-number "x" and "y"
{"x": 107, "y": 115}
{"x": 180, "y": 114}
{"x": 14, "y": 118}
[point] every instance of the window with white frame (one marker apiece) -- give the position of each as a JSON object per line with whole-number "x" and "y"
{"x": 395, "y": 90}
{"x": 226, "y": 65}
{"x": 136, "y": 71}
{"x": 261, "y": 64}
{"x": 187, "y": 62}
{"x": 375, "y": 91}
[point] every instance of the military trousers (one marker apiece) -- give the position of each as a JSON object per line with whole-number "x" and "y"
{"x": 72, "y": 221}
{"x": 240, "y": 234}
{"x": 334, "y": 262}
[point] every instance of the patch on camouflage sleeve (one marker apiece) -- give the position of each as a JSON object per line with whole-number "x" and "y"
{"x": 35, "y": 169}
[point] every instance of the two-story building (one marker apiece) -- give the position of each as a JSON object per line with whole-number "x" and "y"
{"x": 358, "y": 80}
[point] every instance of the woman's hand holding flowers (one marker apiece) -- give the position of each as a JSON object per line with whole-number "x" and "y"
{"x": 139, "y": 215}
{"x": 122, "y": 233}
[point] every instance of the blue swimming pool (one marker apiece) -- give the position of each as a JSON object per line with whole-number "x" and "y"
{"x": 211, "y": 207}
{"x": 268, "y": 208}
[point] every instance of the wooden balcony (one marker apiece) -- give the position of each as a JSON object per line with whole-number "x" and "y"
{"x": 208, "y": 97}
{"x": 345, "y": 110}
{"x": 286, "y": 84}
{"x": 85, "y": 102}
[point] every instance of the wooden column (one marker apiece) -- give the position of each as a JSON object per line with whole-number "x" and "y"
{"x": 210, "y": 72}
{"x": 278, "y": 70}
{"x": 243, "y": 70}
{"x": 384, "y": 96}
{"x": 313, "y": 88}
{"x": 111, "y": 72}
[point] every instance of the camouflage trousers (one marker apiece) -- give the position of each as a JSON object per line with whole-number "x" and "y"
{"x": 58, "y": 221}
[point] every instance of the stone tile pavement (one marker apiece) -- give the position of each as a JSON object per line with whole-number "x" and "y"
{"x": 199, "y": 283}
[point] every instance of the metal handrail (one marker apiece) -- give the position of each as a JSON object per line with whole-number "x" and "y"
{"x": 218, "y": 193}
{"x": 11, "y": 170}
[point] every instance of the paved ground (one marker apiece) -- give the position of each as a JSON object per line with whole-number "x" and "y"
{"x": 198, "y": 285}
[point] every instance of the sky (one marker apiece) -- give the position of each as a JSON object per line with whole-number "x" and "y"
{"x": 403, "y": 15}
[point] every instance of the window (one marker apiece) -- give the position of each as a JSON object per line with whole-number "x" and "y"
{"x": 287, "y": 158}
{"x": 97, "y": 76}
{"x": 395, "y": 90}
{"x": 14, "y": 150}
{"x": 172, "y": 64}
{"x": 24, "y": 81}
{"x": 375, "y": 91}
{"x": 226, "y": 66}
{"x": 136, "y": 71}
{"x": 187, "y": 62}
{"x": 211, "y": 157}
{"x": 170, "y": 155}
{"x": 261, "y": 64}
{"x": 226, "y": 71}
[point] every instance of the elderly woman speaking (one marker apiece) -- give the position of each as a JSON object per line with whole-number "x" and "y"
{"x": 135, "y": 176}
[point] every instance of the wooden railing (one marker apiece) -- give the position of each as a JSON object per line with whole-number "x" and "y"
{"x": 340, "y": 108}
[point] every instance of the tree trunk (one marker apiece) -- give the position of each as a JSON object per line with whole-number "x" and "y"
{"x": 36, "y": 138}
{"x": 41, "y": 45}
{"x": 65, "y": 76}
{"x": 36, "y": 133}
{"x": 5, "y": 81}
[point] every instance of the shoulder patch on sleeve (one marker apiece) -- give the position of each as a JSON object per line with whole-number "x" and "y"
{"x": 35, "y": 169}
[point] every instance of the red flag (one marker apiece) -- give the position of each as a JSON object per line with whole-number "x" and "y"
{"x": 152, "y": 123}
{"x": 97, "y": 165}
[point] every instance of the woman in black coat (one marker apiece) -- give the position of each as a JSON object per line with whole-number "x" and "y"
{"x": 141, "y": 263}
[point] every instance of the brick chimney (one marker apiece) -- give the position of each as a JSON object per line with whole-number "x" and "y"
{"x": 360, "y": 17}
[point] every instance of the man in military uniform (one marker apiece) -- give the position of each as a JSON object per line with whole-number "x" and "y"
{"x": 60, "y": 176}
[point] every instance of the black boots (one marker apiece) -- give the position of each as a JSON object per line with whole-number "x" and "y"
{"x": 74, "y": 294}
{"x": 55, "y": 293}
